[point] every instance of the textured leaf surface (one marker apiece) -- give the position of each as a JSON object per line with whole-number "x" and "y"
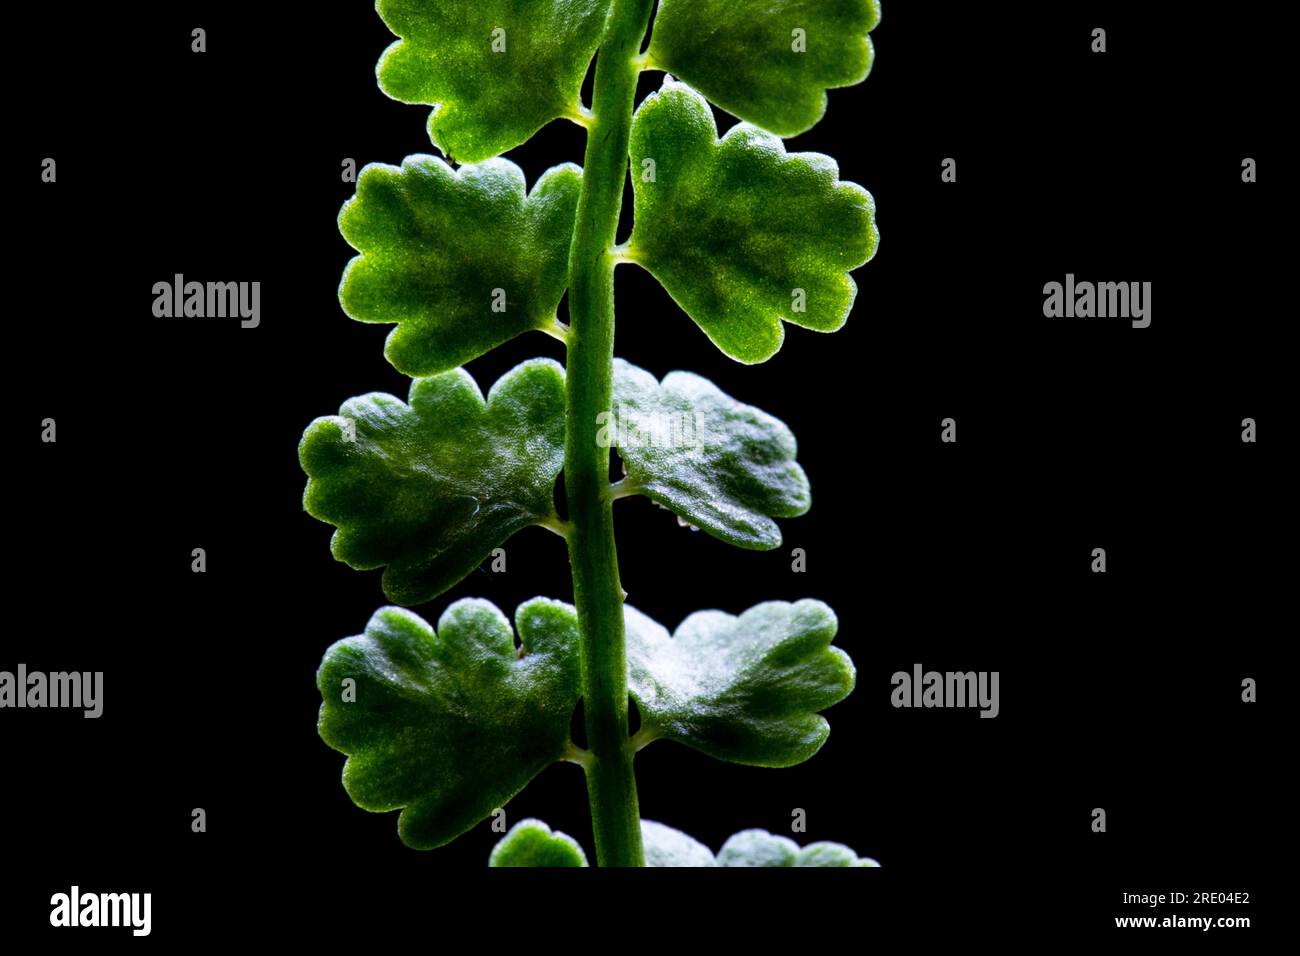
{"x": 745, "y": 689}
{"x": 533, "y": 843}
{"x": 760, "y": 848}
{"x": 495, "y": 71}
{"x": 449, "y": 726}
{"x": 747, "y": 59}
{"x": 665, "y": 846}
{"x": 726, "y": 467}
{"x": 461, "y": 260}
{"x": 741, "y": 233}
{"x": 429, "y": 488}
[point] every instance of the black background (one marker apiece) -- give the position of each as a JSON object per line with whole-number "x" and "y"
{"x": 1119, "y": 690}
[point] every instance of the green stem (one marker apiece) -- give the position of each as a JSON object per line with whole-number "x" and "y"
{"x": 611, "y": 782}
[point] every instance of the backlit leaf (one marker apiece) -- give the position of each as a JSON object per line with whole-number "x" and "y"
{"x": 768, "y": 63}
{"x": 461, "y": 260}
{"x": 533, "y": 843}
{"x": 494, "y": 71}
{"x": 742, "y": 234}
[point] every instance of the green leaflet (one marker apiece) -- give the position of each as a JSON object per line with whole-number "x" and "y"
{"x": 768, "y": 63}
{"x": 495, "y": 71}
{"x": 742, "y": 234}
{"x": 760, "y": 848}
{"x": 532, "y": 843}
{"x": 461, "y": 260}
{"x": 726, "y": 467}
{"x": 430, "y": 488}
{"x": 665, "y": 846}
{"x": 450, "y": 726}
{"x": 746, "y": 689}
